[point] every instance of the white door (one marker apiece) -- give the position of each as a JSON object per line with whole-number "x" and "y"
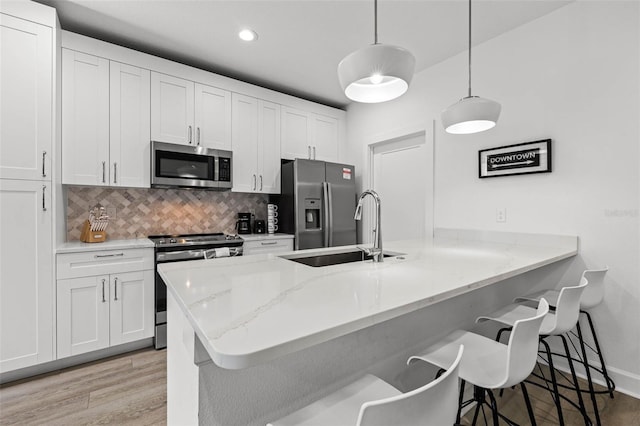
{"x": 25, "y": 99}
{"x": 268, "y": 147}
{"x": 83, "y": 315}
{"x": 212, "y": 117}
{"x": 403, "y": 176}
{"x": 26, "y": 278}
{"x": 131, "y": 306}
{"x": 245, "y": 140}
{"x": 172, "y": 109}
{"x": 325, "y": 146}
{"x": 85, "y": 119}
{"x": 129, "y": 135}
{"x": 296, "y": 133}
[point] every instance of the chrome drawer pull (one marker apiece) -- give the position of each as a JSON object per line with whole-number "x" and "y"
{"x": 269, "y": 243}
{"x": 44, "y": 154}
{"x": 44, "y": 207}
{"x": 103, "y": 300}
{"x": 98, "y": 256}
{"x": 115, "y": 288}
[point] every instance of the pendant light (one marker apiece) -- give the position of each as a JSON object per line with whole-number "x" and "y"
{"x": 376, "y": 73}
{"x": 472, "y": 114}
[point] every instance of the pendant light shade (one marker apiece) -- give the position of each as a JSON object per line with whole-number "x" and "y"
{"x": 376, "y": 73}
{"x": 471, "y": 114}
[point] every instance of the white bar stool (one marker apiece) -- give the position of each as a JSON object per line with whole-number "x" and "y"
{"x": 371, "y": 401}
{"x": 591, "y": 297}
{"x": 555, "y": 323}
{"x": 488, "y": 364}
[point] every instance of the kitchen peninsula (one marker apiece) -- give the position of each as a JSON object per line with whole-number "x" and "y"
{"x": 269, "y": 335}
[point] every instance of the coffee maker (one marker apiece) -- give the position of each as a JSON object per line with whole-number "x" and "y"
{"x": 243, "y": 225}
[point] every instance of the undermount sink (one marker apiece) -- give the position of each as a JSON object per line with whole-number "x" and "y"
{"x": 335, "y": 258}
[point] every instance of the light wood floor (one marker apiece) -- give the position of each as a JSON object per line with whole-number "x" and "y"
{"x": 126, "y": 389}
{"x": 131, "y": 389}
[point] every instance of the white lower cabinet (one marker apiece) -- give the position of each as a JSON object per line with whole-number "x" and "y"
{"x": 99, "y": 311}
{"x": 267, "y": 244}
{"x": 27, "y": 291}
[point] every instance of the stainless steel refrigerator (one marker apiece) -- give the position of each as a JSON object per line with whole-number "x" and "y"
{"x": 317, "y": 203}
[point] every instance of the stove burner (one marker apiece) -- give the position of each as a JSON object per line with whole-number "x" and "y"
{"x": 192, "y": 239}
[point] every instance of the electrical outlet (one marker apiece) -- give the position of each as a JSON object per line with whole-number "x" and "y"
{"x": 501, "y": 214}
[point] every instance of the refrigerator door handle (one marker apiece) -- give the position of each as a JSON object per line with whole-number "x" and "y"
{"x": 328, "y": 215}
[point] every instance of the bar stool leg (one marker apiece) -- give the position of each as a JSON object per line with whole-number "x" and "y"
{"x": 588, "y": 371}
{"x": 556, "y": 393}
{"x": 574, "y": 377}
{"x": 527, "y": 401}
{"x": 610, "y": 385}
{"x": 494, "y": 408}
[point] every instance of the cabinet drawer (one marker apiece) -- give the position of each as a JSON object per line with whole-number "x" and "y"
{"x": 269, "y": 245}
{"x": 85, "y": 264}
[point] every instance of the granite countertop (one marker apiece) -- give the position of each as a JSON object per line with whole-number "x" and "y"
{"x": 79, "y": 246}
{"x": 265, "y": 306}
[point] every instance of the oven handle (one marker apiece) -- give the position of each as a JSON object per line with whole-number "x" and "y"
{"x": 193, "y": 254}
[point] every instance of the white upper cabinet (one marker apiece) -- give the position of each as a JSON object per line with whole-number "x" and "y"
{"x": 309, "y": 135}
{"x": 105, "y": 122}
{"x": 212, "y": 117}
{"x": 129, "y": 124}
{"x": 85, "y": 119}
{"x": 26, "y": 114}
{"x": 171, "y": 109}
{"x": 256, "y": 145}
{"x": 189, "y": 113}
{"x": 27, "y": 295}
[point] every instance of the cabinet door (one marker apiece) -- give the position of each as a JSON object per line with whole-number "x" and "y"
{"x": 171, "y": 109}
{"x": 268, "y": 147}
{"x": 245, "y": 139}
{"x": 296, "y": 134}
{"x": 26, "y": 280}
{"x": 26, "y": 99}
{"x": 212, "y": 117}
{"x": 131, "y": 306}
{"x": 325, "y": 138}
{"x": 83, "y": 315}
{"x": 85, "y": 119}
{"x": 129, "y": 135}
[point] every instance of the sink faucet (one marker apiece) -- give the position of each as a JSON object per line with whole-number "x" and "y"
{"x": 377, "y": 242}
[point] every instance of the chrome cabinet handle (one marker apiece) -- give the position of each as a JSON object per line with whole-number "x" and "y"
{"x": 190, "y": 131}
{"x": 260, "y": 182}
{"x": 271, "y": 243}
{"x": 255, "y": 182}
{"x": 115, "y": 172}
{"x": 103, "y": 299}
{"x": 44, "y": 154}
{"x": 115, "y": 288}
{"x": 44, "y": 206}
{"x": 198, "y": 135}
{"x": 314, "y": 152}
{"x": 103, "y": 173}
{"x": 98, "y": 256}
{"x": 309, "y": 151}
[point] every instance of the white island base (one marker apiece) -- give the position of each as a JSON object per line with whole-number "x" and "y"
{"x": 245, "y": 348}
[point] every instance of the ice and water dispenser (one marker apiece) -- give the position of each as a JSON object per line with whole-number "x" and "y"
{"x": 312, "y": 213}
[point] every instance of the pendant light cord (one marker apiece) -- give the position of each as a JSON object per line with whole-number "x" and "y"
{"x": 469, "y": 48}
{"x": 375, "y": 21}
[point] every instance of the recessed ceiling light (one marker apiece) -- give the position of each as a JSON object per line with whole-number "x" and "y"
{"x": 248, "y": 35}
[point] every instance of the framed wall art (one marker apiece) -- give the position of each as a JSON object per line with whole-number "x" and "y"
{"x": 518, "y": 159}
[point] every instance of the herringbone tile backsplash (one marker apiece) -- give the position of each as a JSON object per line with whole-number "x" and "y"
{"x": 140, "y": 212}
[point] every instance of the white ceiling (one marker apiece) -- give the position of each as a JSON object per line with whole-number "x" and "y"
{"x": 300, "y": 42}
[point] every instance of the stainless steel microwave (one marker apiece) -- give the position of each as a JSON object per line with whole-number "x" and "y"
{"x": 187, "y": 166}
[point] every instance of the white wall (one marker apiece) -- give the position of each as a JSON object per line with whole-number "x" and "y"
{"x": 572, "y": 76}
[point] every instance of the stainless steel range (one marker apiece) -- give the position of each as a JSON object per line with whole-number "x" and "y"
{"x": 179, "y": 248}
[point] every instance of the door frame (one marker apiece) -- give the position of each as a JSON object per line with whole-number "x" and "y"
{"x": 393, "y": 136}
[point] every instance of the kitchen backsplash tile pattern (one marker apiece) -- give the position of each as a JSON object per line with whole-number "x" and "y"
{"x": 142, "y": 212}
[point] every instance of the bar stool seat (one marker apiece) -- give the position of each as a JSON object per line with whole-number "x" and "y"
{"x": 488, "y": 364}
{"x": 370, "y": 401}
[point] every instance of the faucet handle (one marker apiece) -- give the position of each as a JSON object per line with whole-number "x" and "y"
{"x": 358, "y": 214}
